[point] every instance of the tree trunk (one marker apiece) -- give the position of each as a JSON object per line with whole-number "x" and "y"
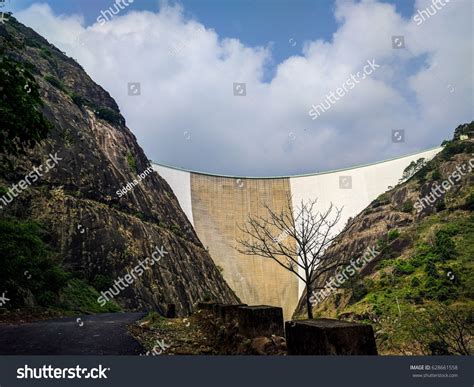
{"x": 309, "y": 307}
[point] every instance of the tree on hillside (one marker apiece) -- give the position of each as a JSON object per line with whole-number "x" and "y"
{"x": 299, "y": 241}
{"x": 412, "y": 169}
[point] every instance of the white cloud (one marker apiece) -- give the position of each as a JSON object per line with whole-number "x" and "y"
{"x": 187, "y": 72}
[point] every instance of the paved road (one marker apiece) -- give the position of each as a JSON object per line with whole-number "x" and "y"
{"x": 99, "y": 334}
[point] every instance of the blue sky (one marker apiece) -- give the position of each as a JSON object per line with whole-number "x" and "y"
{"x": 284, "y": 23}
{"x": 290, "y": 54}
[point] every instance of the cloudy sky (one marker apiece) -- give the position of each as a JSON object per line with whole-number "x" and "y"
{"x": 187, "y": 55}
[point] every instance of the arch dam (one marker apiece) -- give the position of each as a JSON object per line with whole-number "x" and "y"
{"x": 217, "y": 205}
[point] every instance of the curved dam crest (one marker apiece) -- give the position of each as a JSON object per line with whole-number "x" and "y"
{"x": 217, "y": 205}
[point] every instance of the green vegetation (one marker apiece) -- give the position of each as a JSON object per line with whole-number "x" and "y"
{"x": 55, "y": 82}
{"x": 32, "y": 277}
{"x": 45, "y": 53}
{"x": 382, "y": 200}
{"x": 412, "y": 169}
{"x": 26, "y": 265}
{"x": 78, "y": 99}
{"x": 469, "y": 203}
{"x": 453, "y": 148}
{"x": 102, "y": 282}
{"x": 392, "y": 235}
{"x": 78, "y": 296}
{"x": 436, "y": 175}
{"x": 132, "y": 163}
{"x": 411, "y": 296}
{"x": 22, "y": 124}
{"x": 155, "y": 320}
{"x": 109, "y": 115}
{"x": 103, "y": 113}
{"x": 27, "y": 268}
{"x": 408, "y": 206}
{"x": 208, "y": 297}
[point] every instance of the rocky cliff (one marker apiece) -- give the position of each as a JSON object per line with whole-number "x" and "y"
{"x": 95, "y": 232}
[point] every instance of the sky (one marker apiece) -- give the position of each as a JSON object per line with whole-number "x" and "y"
{"x": 233, "y": 87}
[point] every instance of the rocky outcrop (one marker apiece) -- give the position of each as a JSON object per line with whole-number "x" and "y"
{"x": 94, "y": 229}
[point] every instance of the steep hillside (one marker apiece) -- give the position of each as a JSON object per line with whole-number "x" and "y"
{"x": 73, "y": 215}
{"x": 422, "y": 281}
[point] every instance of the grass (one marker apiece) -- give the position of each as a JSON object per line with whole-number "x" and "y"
{"x": 81, "y": 297}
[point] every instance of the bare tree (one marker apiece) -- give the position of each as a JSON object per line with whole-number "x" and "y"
{"x": 307, "y": 234}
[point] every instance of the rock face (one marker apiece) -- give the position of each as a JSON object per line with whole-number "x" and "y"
{"x": 329, "y": 337}
{"x": 94, "y": 229}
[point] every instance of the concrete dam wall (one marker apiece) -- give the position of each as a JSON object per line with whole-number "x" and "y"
{"x": 218, "y": 205}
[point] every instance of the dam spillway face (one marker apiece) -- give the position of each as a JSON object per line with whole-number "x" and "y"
{"x": 218, "y": 205}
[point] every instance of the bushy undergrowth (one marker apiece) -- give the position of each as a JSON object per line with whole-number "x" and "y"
{"x": 33, "y": 278}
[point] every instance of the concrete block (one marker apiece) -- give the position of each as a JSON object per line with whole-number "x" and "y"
{"x": 228, "y": 312}
{"x": 329, "y": 337}
{"x": 261, "y": 320}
